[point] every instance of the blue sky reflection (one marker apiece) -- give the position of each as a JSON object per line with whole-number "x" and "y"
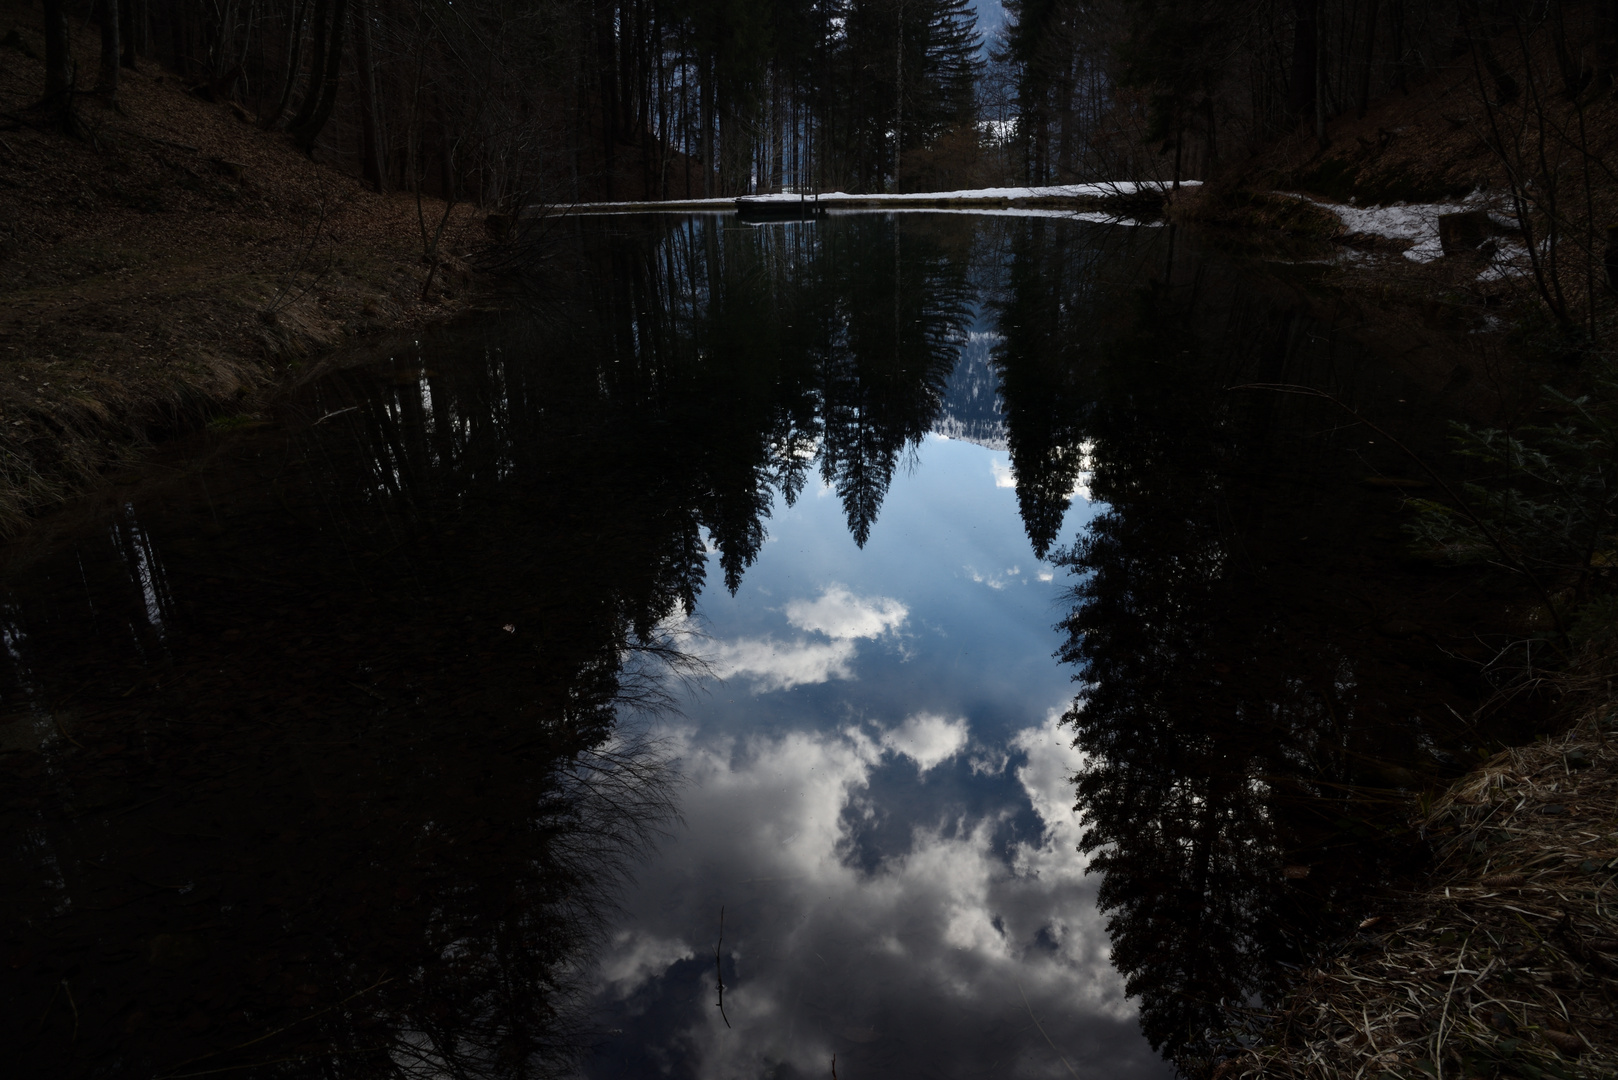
{"x": 878, "y": 796}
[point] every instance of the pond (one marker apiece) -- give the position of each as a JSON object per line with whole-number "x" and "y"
{"x": 907, "y": 641}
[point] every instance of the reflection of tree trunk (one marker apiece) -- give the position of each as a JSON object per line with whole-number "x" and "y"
{"x": 107, "y": 77}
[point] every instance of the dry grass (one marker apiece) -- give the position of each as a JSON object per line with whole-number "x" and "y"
{"x": 1504, "y": 964}
{"x": 175, "y": 264}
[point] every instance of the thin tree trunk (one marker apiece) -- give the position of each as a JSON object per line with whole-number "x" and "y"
{"x": 107, "y": 77}
{"x": 294, "y": 52}
{"x": 899, "y": 94}
{"x": 306, "y": 134}
{"x": 320, "y": 25}
{"x": 126, "y": 33}
{"x": 58, "y": 62}
{"x": 1305, "y": 61}
{"x": 370, "y": 134}
{"x": 1370, "y": 54}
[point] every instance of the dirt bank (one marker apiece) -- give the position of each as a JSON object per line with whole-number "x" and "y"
{"x": 173, "y": 266}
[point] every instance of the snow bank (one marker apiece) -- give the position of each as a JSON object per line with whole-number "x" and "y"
{"x": 1415, "y": 222}
{"x": 1060, "y": 191}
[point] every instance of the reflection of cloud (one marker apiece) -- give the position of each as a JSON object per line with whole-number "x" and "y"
{"x": 774, "y": 665}
{"x": 921, "y": 957}
{"x": 995, "y": 579}
{"x": 837, "y": 614}
{"x": 636, "y": 957}
{"x": 840, "y": 614}
{"x": 1003, "y": 476}
{"x": 927, "y": 740}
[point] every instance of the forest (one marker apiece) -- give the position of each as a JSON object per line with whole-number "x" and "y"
{"x": 505, "y": 103}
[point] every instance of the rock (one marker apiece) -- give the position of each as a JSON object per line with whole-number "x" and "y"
{"x": 1464, "y": 232}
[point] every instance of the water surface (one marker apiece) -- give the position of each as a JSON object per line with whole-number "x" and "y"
{"x": 428, "y": 728}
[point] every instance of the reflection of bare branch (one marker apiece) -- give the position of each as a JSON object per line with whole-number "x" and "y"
{"x": 1041, "y": 1028}
{"x": 719, "y": 973}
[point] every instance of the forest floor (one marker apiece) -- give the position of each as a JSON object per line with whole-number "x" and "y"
{"x": 172, "y": 267}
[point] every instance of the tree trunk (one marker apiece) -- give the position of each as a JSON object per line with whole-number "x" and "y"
{"x": 58, "y": 64}
{"x": 370, "y": 133}
{"x": 294, "y": 54}
{"x": 317, "y": 66}
{"x": 306, "y": 134}
{"x": 1304, "y": 59}
{"x": 126, "y": 33}
{"x": 1370, "y": 55}
{"x": 107, "y": 77}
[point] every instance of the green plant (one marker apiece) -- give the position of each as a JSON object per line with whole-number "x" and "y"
{"x": 1545, "y": 504}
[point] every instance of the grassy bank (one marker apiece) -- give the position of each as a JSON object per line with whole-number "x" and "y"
{"x": 1503, "y": 962}
{"x": 171, "y": 266}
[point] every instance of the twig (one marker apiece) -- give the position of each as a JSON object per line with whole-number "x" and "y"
{"x": 1041, "y": 1028}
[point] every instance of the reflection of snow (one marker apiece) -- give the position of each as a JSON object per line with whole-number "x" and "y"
{"x": 950, "y": 928}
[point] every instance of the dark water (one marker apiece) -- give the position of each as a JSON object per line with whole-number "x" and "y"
{"x": 427, "y": 729}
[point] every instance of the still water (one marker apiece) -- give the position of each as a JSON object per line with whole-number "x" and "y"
{"x": 693, "y": 672}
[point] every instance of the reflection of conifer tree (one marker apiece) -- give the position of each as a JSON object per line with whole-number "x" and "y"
{"x": 1228, "y": 729}
{"x": 894, "y": 336}
{"x": 1047, "y": 316}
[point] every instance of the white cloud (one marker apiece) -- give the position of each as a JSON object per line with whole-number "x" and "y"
{"x": 927, "y": 740}
{"x": 1003, "y": 476}
{"x": 839, "y": 614}
{"x": 775, "y": 665}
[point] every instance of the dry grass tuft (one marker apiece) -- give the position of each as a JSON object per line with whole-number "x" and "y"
{"x": 1505, "y": 964}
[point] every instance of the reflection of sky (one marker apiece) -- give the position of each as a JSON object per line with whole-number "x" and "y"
{"x": 880, "y": 800}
